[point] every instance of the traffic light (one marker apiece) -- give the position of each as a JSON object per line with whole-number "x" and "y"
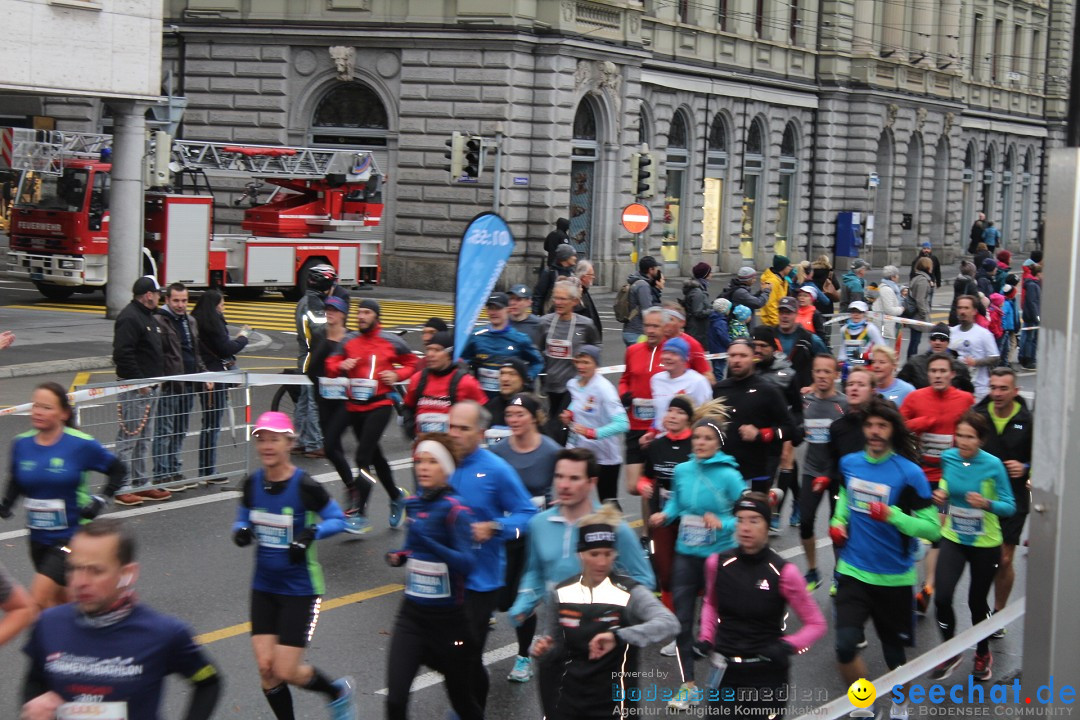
{"x": 456, "y": 155}
{"x": 474, "y": 156}
{"x": 905, "y": 221}
{"x": 642, "y": 179}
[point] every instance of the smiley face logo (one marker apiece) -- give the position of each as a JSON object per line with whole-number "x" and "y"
{"x": 862, "y": 693}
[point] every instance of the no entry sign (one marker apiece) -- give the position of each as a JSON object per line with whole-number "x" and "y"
{"x": 636, "y": 218}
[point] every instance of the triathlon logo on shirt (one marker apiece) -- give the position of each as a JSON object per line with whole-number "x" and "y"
{"x": 91, "y": 667}
{"x": 764, "y": 584}
{"x": 27, "y": 465}
{"x": 56, "y": 465}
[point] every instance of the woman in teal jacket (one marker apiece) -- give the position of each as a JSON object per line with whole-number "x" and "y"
{"x": 973, "y": 494}
{"x": 703, "y": 492}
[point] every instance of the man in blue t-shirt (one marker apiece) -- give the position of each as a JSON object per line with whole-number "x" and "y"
{"x": 884, "y": 504}
{"x": 107, "y": 650}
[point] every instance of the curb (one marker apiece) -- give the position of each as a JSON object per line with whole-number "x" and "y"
{"x": 56, "y": 366}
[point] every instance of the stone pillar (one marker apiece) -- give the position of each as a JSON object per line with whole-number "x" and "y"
{"x": 126, "y": 203}
{"x": 949, "y": 33}
{"x": 863, "y": 41}
{"x": 923, "y": 31}
{"x": 894, "y": 29}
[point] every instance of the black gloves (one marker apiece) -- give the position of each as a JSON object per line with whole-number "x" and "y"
{"x": 243, "y": 537}
{"x": 94, "y": 508}
{"x": 300, "y": 544}
{"x": 5, "y": 511}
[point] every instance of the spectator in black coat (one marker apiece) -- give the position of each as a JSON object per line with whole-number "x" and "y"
{"x": 558, "y": 236}
{"x": 935, "y": 273}
{"x": 586, "y": 273}
{"x": 1031, "y": 317}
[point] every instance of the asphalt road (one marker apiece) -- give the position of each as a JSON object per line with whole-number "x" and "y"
{"x": 190, "y": 568}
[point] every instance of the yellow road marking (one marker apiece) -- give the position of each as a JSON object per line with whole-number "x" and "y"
{"x": 80, "y": 379}
{"x": 243, "y": 628}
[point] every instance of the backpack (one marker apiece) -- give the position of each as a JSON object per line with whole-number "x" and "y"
{"x": 408, "y": 414}
{"x": 911, "y": 308}
{"x": 623, "y": 312}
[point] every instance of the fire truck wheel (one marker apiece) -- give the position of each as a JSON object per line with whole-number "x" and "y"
{"x": 54, "y": 292}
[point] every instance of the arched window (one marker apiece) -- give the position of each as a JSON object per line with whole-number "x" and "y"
{"x": 1025, "y": 201}
{"x": 1008, "y": 196}
{"x": 787, "y": 203}
{"x": 967, "y": 191}
{"x": 644, "y": 130}
{"x": 350, "y": 114}
{"x": 676, "y": 164}
{"x": 940, "y": 218}
{"x": 988, "y": 178}
{"x": 677, "y": 132}
{"x": 584, "y": 147}
{"x": 753, "y": 166}
{"x": 716, "y": 164}
{"x": 913, "y": 188}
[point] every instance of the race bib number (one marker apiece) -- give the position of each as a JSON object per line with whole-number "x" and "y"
{"x": 934, "y": 444}
{"x": 817, "y": 431}
{"x": 95, "y": 710}
{"x": 46, "y": 514}
{"x": 271, "y": 530}
{"x": 864, "y": 492}
{"x": 334, "y": 388}
{"x": 362, "y": 389}
{"x": 489, "y": 379}
{"x": 432, "y": 422}
{"x": 693, "y": 533}
{"x": 643, "y": 409}
{"x": 427, "y": 579}
{"x": 558, "y": 349}
{"x": 853, "y": 351}
{"x": 967, "y": 521}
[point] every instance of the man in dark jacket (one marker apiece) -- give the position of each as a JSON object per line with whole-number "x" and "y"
{"x": 137, "y": 354}
{"x": 1010, "y": 441}
{"x": 1032, "y": 310}
{"x": 976, "y": 233}
{"x": 927, "y": 251}
{"x": 915, "y": 369}
{"x": 696, "y": 303}
{"x": 180, "y": 349}
{"x": 643, "y": 295}
{"x": 985, "y": 277}
{"x": 759, "y": 419}
{"x": 585, "y": 271}
{"x": 964, "y": 284}
{"x": 565, "y": 261}
{"x": 739, "y": 293}
{"x": 558, "y": 236}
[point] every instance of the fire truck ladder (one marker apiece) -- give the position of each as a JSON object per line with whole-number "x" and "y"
{"x": 272, "y": 161}
{"x": 44, "y": 151}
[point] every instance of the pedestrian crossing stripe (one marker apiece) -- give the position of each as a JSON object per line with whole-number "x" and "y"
{"x": 281, "y": 315}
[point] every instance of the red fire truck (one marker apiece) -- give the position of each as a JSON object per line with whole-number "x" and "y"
{"x": 322, "y": 201}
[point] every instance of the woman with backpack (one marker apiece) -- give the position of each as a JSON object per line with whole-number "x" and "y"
{"x": 922, "y": 292}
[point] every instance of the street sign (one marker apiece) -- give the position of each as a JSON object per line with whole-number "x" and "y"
{"x": 636, "y": 218}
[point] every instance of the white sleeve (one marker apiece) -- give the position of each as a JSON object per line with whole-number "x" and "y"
{"x": 703, "y": 392}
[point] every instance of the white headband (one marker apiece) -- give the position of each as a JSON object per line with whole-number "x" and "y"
{"x": 671, "y": 313}
{"x": 438, "y": 451}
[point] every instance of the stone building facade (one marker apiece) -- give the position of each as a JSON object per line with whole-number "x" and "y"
{"x": 766, "y": 118}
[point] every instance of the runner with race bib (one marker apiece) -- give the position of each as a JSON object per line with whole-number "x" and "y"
{"x": 974, "y": 494}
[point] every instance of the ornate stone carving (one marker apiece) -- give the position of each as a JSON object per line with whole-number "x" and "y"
{"x": 582, "y": 73}
{"x": 611, "y": 83}
{"x": 568, "y": 10}
{"x": 344, "y": 58}
{"x": 950, "y": 118}
{"x": 305, "y": 62}
{"x": 920, "y": 118}
{"x": 890, "y": 114}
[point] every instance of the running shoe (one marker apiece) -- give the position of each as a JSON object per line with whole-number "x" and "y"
{"x": 154, "y": 494}
{"x": 397, "y": 509}
{"x": 357, "y": 524}
{"x": 522, "y": 671}
{"x": 128, "y": 499}
{"x": 182, "y": 484}
{"x": 668, "y": 650}
{"x": 862, "y": 644}
{"x": 215, "y": 480}
{"x": 945, "y": 669}
{"x": 344, "y": 708}
{"x": 813, "y": 580}
{"x": 685, "y": 698}
{"x": 898, "y": 712}
{"x": 833, "y": 588}
{"x": 997, "y": 634}
{"x": 922, "y": 600}
{"x": 796, "y": 516}
{"x": 774, "y": 526}
{"x": 983, "y": 663}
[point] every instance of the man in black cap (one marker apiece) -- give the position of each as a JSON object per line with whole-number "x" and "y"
{"x": 432, "y": 326}
{"x": 440, "y": 384}
{"x": 138, "y": 354}
{"x": 558, "y": 236}
{"x": 643, "y": 295}
{"x": 915, "y": 369}
{"x": 488, "y": 348}
{"x": 565, "y": 260}
{"x": 521, "y": 317}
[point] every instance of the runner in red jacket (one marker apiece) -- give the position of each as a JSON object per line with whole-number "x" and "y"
{"x": 438, "y": 386}
{"x": 931, "y": 413}
{"x": 373, "y": 361}
{"x": 642, "y": 362}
